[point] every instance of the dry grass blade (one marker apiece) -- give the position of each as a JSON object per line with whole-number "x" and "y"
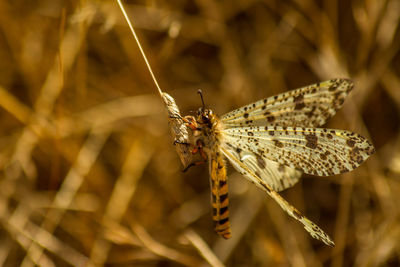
{"x": 162, "y": 250}
{"x": 69, "y": 48}
{"x": 106, "y": 114}
{"x": 383, "y": 248}
{"x": 72, "y": 182}
{"x": 342, "y": 221}
{"x": 46, "y": 240}
{"x": 203, "y": 248}
{"x": 140, "y": 47}
{"x": 14, "y": 107}
{"x": 241, "y": 221}
{"x": 126, "y": 185}
{"x": 179, "y": 130}
{"x": 85, "y": 149}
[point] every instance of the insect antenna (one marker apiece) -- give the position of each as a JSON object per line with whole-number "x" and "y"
{"x": 200, "y": 92}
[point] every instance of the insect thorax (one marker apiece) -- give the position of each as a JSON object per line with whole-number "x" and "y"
{"x": 209, "y": 129}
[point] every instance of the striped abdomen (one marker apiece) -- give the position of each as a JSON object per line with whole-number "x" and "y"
{"x": 219, "y": 193}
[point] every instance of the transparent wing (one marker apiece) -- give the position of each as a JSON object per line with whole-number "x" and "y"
{"x": 277, "y": 176}
{"x": 309, "y": 106}
{"x": 311, "y": 227}
{"x": 315, "y": 151}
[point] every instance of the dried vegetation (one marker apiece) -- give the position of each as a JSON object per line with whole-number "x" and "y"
{"x": 89, "y": 174}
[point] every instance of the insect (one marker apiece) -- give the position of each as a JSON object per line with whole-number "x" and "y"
{"x": 273, "y": 141}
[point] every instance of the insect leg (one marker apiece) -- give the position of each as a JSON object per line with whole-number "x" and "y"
{"x": 177, "y": 142}
{"x": 197, "y": 149}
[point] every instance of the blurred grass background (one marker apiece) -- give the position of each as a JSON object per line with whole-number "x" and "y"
{"x": 89, "y": 175}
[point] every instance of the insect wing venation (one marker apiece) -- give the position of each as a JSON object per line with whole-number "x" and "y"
{"x": 309, "y": 106}
{"x": 315, "y": 151}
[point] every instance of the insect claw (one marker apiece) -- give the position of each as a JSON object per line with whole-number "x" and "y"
{"x": 187, "y": 167}
{"x": 193, "y": 164}
{"x": 175, "y": 117}
{"x": 177, "y": 142}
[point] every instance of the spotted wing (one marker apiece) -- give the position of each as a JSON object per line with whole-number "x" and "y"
{"x": 219, "y": 194}
{"x": 315, "y": 151}
{"x": 311, "y": 227}
{"x": 277, "y": 176}
{"x": 309, "y": 106}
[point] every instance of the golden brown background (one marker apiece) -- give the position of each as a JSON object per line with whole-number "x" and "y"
{"x": 89, "y": 174}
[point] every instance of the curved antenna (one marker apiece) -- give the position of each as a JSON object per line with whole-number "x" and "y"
{"x": 201, "y": 96}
